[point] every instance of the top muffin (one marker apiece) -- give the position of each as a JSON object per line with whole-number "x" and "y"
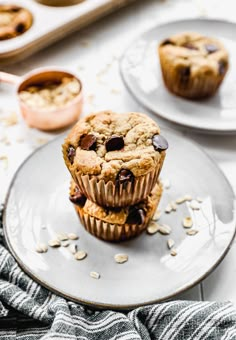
{"x": 106, "y": 143}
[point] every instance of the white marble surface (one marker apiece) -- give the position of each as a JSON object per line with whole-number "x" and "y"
{"x": 93, "y": 54}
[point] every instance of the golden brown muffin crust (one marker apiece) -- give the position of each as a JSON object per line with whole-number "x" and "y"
{"x": 95, "y": 138}
{"x": 202, "y": 54}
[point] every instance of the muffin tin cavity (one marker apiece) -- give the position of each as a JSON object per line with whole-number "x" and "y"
{"x": 14, "y": 21}
{"x": 59, "y": 3}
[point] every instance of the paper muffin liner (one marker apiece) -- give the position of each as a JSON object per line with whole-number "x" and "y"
{"x": 111, "y": 194}
{"x": 114, "y": 232}
{"x": 201, "y": 86}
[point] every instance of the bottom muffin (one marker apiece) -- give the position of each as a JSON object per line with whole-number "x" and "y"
{"x": 115, "y": 224}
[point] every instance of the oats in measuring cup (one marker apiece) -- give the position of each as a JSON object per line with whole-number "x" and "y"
{"x": 50, "y": 96}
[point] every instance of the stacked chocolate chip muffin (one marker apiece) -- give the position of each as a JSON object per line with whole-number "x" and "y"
{"x": 115, "y": 161}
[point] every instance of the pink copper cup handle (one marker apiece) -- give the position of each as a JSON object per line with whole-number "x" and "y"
{"x": 43, "y": 120}
{"x": 9, "y": 78}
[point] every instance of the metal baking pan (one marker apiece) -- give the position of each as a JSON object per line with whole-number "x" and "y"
{"x": 53, "y": 23}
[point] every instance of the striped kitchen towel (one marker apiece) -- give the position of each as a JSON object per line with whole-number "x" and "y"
{"x": 29, "y": 311}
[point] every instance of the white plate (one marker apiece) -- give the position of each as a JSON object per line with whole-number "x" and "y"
{"x": 38, "y": 207}
{"x": 141, "y": 73}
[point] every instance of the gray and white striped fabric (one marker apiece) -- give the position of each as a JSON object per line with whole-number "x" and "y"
{"x": 29, "y": 311}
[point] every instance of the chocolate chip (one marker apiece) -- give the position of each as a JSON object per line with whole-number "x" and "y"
{"x": 124, "y": 176}
{"x": 78, "y": 198}
{"x": 136, "y": 216}
{"x": 167, "y": 42}
{"x": 190, "y": 46}
{"x": 112, "y": 209}
{"x": 20, "y": 28}
{"x": 71, "y": 154}
{"x": 184, "y": 73}
{"x": 116, "y": 209}
{"x": 222, "y": 67}
{"x": 159, "y": 143}
{"x": 15, "y": 8}
{"x": 211, "y": 48}
{"x": 114, "y": 143}
{"x": 88, "y": 142}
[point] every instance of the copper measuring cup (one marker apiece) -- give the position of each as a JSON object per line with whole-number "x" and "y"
{"x": 46, "y": 120}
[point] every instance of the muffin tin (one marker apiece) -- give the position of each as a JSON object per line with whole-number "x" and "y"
{"x": 51, "y": 23}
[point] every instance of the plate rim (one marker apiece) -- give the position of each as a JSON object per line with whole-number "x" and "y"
{"x": 92, "y": 304}
{"x": 144, "y": 103}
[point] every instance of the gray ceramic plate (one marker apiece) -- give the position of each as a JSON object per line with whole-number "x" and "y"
{"x": 141, "y": 73}
{"x": 37, "y": 208}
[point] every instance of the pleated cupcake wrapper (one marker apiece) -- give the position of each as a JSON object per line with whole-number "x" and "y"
{"x": 119, "y": 195}
{"x": 110, "y": 232}
{"x": 115, "y": 232}
{"x": 194, "y": 87}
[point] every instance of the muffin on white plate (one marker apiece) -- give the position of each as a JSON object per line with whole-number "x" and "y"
{"x": 193, "y": 66}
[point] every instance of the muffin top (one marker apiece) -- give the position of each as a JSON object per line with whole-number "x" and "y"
{"x": 135, "y": 214}
{"x": 195, "y": 54}
{"x": 113, "y": 146}
{"x": 14, "y": 20}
